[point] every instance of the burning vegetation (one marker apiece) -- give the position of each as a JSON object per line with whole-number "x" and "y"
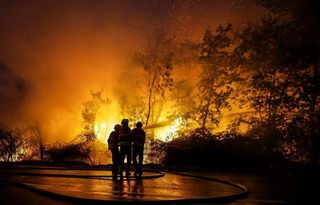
{"x": 248, "y": 95}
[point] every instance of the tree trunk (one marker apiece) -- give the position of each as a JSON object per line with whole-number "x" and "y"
{"x": 151, "y": 87}
{"x": 206, "y": 113}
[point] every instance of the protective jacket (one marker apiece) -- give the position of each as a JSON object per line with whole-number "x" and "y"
{"x": 138, "y": 137}
{"x": 113, "y": 140}
{"x": 125, "y": 138}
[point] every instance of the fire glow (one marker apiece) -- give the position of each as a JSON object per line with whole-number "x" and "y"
{"x": 165, "y": 132}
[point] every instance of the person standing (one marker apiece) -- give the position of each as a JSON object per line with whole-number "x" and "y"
{"x": 125, "y": 143}
{"x": 138, "y": 138}
{"x": 113, "y": 146}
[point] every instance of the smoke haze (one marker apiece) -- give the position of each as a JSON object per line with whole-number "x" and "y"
{"x": 53, "y": 53}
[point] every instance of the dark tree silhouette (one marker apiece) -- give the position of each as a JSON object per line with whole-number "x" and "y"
{"x": 89, "y": 112}
{"x": 282, "y": 55}
{"x": 157, "y": 62}
{"x": 35, "y": 140}
{"x": 11, "y": 145}
{"x": 268, "y": 83}
{"x": 218, "y": 74}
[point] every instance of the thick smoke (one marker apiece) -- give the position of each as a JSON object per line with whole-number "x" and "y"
{"x": 55, "y": 52}
{"x": 12, "y": 94}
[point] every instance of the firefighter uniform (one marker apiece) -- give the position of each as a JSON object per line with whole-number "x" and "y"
{"x": 125, "y": 143}
{"x": 113, "y": 146}
{"x": 138, "y": 138}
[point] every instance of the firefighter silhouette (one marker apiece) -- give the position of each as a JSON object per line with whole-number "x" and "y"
{"x": 125, "y": 143}
{"x": 113, "y": 146}
{"x": 138, "y": 138}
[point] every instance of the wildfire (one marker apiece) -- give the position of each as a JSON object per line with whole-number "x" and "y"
{"x": 102, "y": 130}
{"x": 165, "y": 132}
{"x": 168, "y": 132}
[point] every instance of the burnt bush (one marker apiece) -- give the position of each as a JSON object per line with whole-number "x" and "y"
{"x": 225, "y": 150}
{"x": 69, "y": 152}
{"x": 11, "y": 145}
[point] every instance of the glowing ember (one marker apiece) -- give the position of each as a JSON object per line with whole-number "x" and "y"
{"x": 102, "y": 130}
{"x": 168, "y": 132}
{"x": 165, "y": 133}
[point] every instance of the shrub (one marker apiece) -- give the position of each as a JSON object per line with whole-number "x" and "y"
{"x": 211, "y": 151}
{"x": 69, "y": 151}
{"x": 11, "y": 145}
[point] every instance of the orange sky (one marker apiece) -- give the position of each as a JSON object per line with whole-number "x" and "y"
{"x": 62, "y": 49}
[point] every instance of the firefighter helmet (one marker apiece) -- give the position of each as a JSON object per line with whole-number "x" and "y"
{"x": 117, "y": 127}
{"x": 139, "y": 124}
{"x": 125, "y": 122}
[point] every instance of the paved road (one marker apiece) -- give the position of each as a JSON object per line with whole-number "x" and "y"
{"x": 264, "y": 189}
{"x": 284, "y": 188}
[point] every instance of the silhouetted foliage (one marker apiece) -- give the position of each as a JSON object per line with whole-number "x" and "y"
{"x": 157, "y": 62}
{"x": 34, "y": 147}
{"x": 280, "y": 55}
{"x": 89, "y": 113}
{"x": 218, "y": 74}
{"x": 38, "y": 140}
{"x": 11, "y": 145}
{"x": 69, "y": 151}
{"x": 208, "y": 151}
{"x": 270, "y": 68}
